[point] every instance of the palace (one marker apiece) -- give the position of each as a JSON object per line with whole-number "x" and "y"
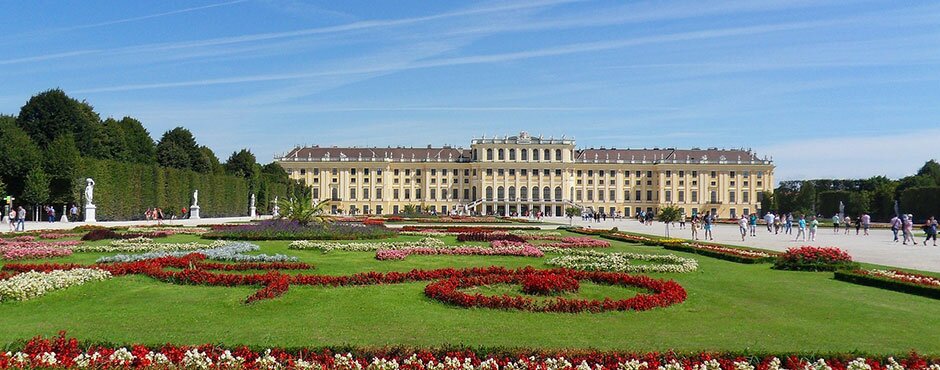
{"x": 516, "y": 175}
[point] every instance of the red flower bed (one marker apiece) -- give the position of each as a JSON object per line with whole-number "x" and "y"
{"x": 549, "y": 284}
{"x": 465, "y": 229}
{"x": 374, "y": 222}
{"x": 277, "y": 285}
{"x": 814, "y": 259}
{"x": 68, "y": 350}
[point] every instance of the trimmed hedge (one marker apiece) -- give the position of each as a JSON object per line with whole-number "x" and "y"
{"x": 718, "y": 255}
{"x": 123, "y": 191}
{"x": 885, "y": 283}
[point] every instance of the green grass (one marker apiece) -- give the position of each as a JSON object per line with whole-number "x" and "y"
{"x": 731, "y": 306}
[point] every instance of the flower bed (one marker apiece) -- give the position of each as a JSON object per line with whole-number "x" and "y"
{"x": 620, "y": 262}
{"x": 169, "y": 229}
{"x": 906, "y": 282}
{"x": 33, "y": 284}
{"x": 63, "y": 352}
{"x": 577, "y": 242}
{"x": 523, "y": 250}
{"x": 549, "y": 284}
{"x": 365, "y": 246}
{"x": 286, "y": 230}
{"x": 20, "y": 251}
{"x": 139, "y": 244}
{"x": 102, "y": 234}
{"x": 54, "y": 235}
{"x": 666, "y": 293}
{"x": 740, "y": 255}
{"x": 219, "y": 251}
{"x": 488, "y": 237}
{"x": 808, "y": 258}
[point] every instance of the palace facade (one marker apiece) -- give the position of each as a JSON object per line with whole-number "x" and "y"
{"x": 515, "y": 175}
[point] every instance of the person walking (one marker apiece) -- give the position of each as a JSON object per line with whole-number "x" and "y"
{"x": 12, "y": 218}
{"x": 908, "y": 229}
{"x": 777, "y": 224}
{"x": 20, "y": 219}
{"x": 682, "y": 221}
{"x": 866, "y": 223}
{"x": 742, "y": 226}
{"x": 813, "y": 225}
{"x": 895, "y": 227}
{"x": 694, "y": 226}
{"x": 788, "y": 224}
{"x": 835, "y": 223}
{"x": 73, "y": 213}
{"x": 769, "y": 220}
{"x": 801, "y": 232}
{"x": 858, "y": 224}
{"x": 931, "y": 229}
{"x": 707, "y": 225}
{"x": 847, "y": 221}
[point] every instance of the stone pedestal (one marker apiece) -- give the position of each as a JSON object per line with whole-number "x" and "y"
{"x": 90, "y": 213}
{"x": 253, "y": 212}
{"x": 194, "y": 213}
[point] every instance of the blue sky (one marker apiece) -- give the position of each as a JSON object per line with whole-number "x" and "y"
{"x": 828, "y": 88}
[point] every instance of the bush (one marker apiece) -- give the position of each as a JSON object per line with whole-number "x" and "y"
{"x": 100, "y": 234}
{"x": 288, "y": 230}
{"x": 814, "y": 259}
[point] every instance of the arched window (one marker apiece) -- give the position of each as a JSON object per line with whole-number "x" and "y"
{"x": 502, "y": 154}
{"x": 489, "y": 193}
{"x": 557, "y": 193}
{"x": 473, "y": 193}
{"x": 512, "y": 154}
{"x": 489, "y": 154}
{"x": 512, "y": 193}
{"x": 548, "y": 155}
{"x": 525, "y": 154}
{"x": 335, "y": 193}
{"x": 558, "y": 154}
{"x": 535, "y": 193}
{"x": 524, "y": 193}
{"x": 500, "y": 193}
{"x": 546, "y": 193}
{"x": 535, "y": 154}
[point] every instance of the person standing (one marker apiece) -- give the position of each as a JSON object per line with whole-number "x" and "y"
{"x": 895, "y": 227}
{"x": 777, "y": 224}
{"x": 813, "y": 225}
{"x": 682, "y": 221}
{"x": 858, "y": 224}
{"x": 12, "y": 218}
{"x": 931, "y": 229}
{"x": 835, "y": 223}
{"x": 707, "y": 224}
{"x": 801, "y": 232}
{"x": 769, "y": 220}
{"x": 20, "y": 219}
{"x": 742, "y": 225}
{"x": 788, "y": 224}
{"x": 73, "y": 213}
{"x": 694, "y": 226}
{"x": 752, "y": 224}
{"x": 847, "y": 222}
{"x": 908, "y": 229}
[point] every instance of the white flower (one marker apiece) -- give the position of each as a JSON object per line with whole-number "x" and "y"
{"x": 48, "y": 359}
{"x": 345, "y": 362}
{"x": 265, "y": 361}
{"x": 858, "y": 364}
{"x": 121, "y": 357}
{"x": 774, "y": 364}
{"x": 708, "y": 365}
{"x": 818, "y": 365}
{"x": 34, "y": 284}
{"x": 19, "y": 357}
{"x": 157, "y": 358}
{"x": 672, "y": 365}
{"x": 196, "y": 359}
{"x": 557, "y": 363}
{"x": 743, "y": 365}
{"x": 893, "y": 365}
{"x": 382, "y": 364}
{"x": 591, "y": 260}
{"x": 632, "y": 365}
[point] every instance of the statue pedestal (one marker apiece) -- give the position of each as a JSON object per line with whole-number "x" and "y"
{"x": 194, "y": 213}
{"x": 253, "y": 212}
{"x": 65, "y": 218}
{"x": 90, "y": 213}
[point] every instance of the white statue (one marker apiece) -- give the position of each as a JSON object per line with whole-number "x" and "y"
{"x": 276, "y": 211}
{"x": 89, "y": 191}
{"x": 252, "y": 201}
{"x": 196, "y": 197}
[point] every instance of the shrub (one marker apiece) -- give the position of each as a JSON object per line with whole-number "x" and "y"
{"x": 814, "y": 259}
{"x": 100, "y": 234}
{"x": 865, "y": 277}
{"x": 289, "y": 230}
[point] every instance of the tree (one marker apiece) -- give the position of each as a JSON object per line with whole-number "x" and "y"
{"x": 275, "y": 172}
{"x": 931, "y": 169}
{"x": 36, "y": 190}
{"x": 177, "y": 148}
{"x": 61, "y": 164}
{"x": 303, "y": 211}
{"x": 571, "y": 212}
{"x": 15, "y": 143}
{"x": 669, "y": 214}
{"x": 208, "y": 162}
{"x": 241, "y": 163}
{"x": 140, "y": 146}
{"x": 52, "y": 113}
{"x": 111, "y": 142}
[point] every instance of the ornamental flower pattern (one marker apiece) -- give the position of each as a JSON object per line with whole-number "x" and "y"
{"x": 34, "y": 284}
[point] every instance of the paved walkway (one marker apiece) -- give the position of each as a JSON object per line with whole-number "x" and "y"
{"x": 877, "y": 247}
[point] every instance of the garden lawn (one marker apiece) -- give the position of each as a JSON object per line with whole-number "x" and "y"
{"x": 730, "y": 307}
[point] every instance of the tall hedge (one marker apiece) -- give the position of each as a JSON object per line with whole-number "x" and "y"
{"x": 922, "y": 202}
{"x": 123, "y": 191}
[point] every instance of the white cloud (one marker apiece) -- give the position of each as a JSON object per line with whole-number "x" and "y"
{"x": 894, "y": 155}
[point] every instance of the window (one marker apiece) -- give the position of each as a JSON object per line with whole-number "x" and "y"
{"x": 548, "y": 155}
{"x": 489, "y": 192}
{"x": 668, "y": 173}
{"x": 713, "y": 174}
{"x": 638, "y": 195}
{"x": 524, "y": 171}
{"x": 501, "y": 154}
{"x": 489, "y": 154}
{"x": 408, "y": 172}
{"x": 681, "y": 196}
{"x": 546, "y": 172}
{"x": 365, "y": 193}
{"x": 418, "y": 193}
{"x": 558, "y": 193}
{"x": 649, "y": 173}
{"x": 649, "y": 195}
{"x": 334, "y": 172}
{"x": 590, "y": 173}
{"x": 316, "y": 193}
{"x": 512, "y": 172}
{"x": 546, "y": 193}
{"x": 454, "y": 194}
{"x": 352, "y": 171}
{"x": 335, "y": 193}
{"x": 417, "y": 172}
{"x": 731, "y": 174}
{"x": 466, "y": 194}
{"x": 731, "y": 195}
{"x": 524, "y": 193}
{"x": 396, "y": 172}
{"x": 760, "y": 196}
{"x": 557, "y": 154}
{"x": 613, "y": 195}
{"x": 668, "y": 196}
{"x": 525, "y": 154}
{"x": 578, "y": 195}
{"x": 433, "y": 172}
{"x": 512, "y": 154}
{"x": 316, "y": 171}
{"x": 501, "y": 172}
{"x": 745, "y": 196}
{"x": 465, "y": 172}
{"x": 512, "y": 193}
{"x": 303, "y": 172}
{"x": 557, "y": 172}
{"x": 489, "y": 172}
{"x": 433, "y": 194}
{"x": 681, "y": 173}
{"x": 378, "y": 193}
{"x": 407, "y": 194}
{"x": 535, "y": 193}
{"x": 500, "y": 193}
{"x": 579, "y": 173}
{"x": 535, "y": 155}
{"x": 694, "y": 196}
{"x": 626, "y": 195}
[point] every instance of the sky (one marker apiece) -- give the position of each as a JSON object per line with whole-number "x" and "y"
{"x": 828, "y": 89}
